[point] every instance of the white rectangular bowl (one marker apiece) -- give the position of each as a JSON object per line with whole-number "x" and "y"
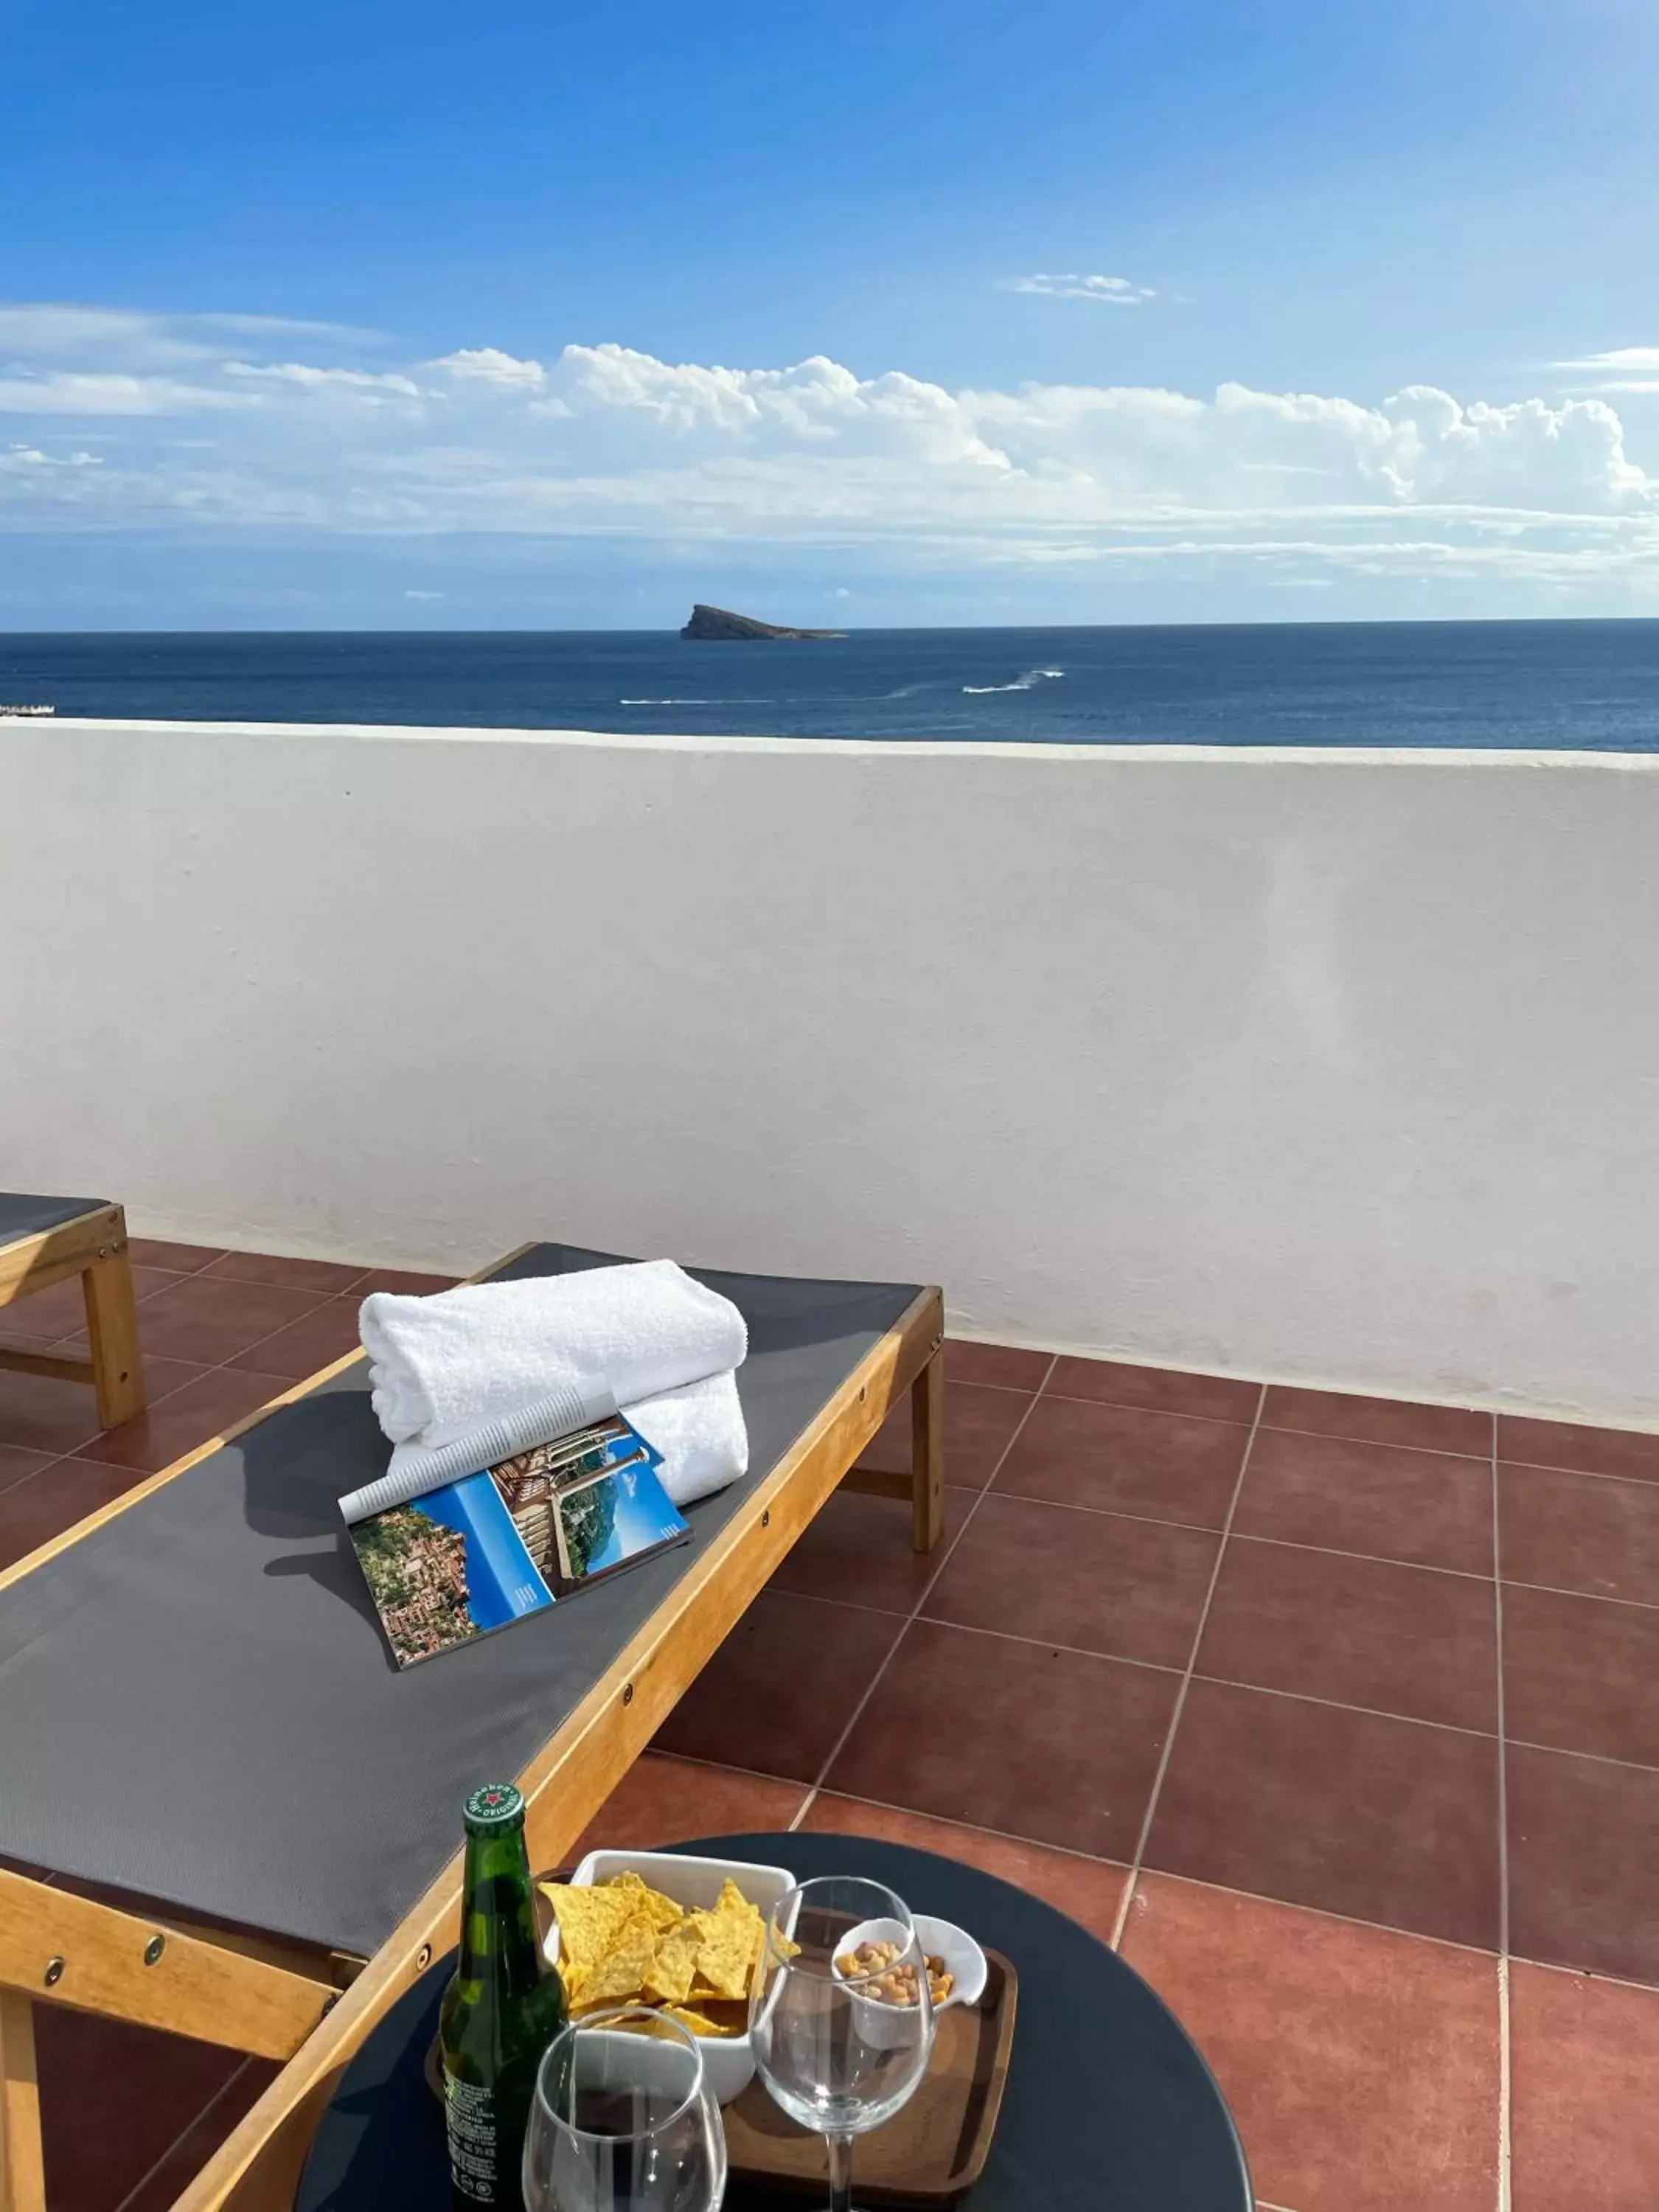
{"x": 728, "y": 2062}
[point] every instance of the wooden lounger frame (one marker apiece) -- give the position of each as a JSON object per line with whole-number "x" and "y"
{"x": 312, "y": 2008}
{"x": 94, "y": 1247}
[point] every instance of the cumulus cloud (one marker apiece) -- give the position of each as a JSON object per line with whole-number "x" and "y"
{"x": 610, "y": 439}
{"x": 1111, "y": 291}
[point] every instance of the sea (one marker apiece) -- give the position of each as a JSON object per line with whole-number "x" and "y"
{"x": 1579, "y": 685}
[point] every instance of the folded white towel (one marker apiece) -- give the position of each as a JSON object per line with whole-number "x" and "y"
{"x": 700, "y": 1432}
{"x": 441, "y": 1366}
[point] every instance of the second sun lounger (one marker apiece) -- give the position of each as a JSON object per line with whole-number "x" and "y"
{"x": 198, "y": 1710}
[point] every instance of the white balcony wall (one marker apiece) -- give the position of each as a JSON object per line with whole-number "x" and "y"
{"x": 1333, "y": 1068}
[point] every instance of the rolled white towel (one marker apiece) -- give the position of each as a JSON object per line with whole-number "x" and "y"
{"x": 700, "y": 1432}
{"x": 440, "y": 1367}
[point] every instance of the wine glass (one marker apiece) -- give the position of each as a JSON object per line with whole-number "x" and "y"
{"x": 623, "y": 2120}
{"x": 836, "y": 2046}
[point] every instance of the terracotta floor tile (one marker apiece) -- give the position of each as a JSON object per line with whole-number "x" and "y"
{"x": 782, "y": 1687}
{"x": 113, "y": 2098}
{"x": 979, "y": 1421}
{"x": 1579, "y": 1532}
{"x": 326, "y": 1275}
{"x": 1132, "y": 1589}
{"x": 662, "y": 1801}
{"x": 158, "y": 1252}
{"x": 1587, "y": 1451}
{"x": 16, "y": 1466}
{"x": 163, "y": 1376}
{"x": 858, "y": 1550}
{"x": 1584, "y": 2122}
{"x": 1361, "y": 2066}
{"x": 1057, "y": 1747}
{"x": 1010, "y": 1366}
{"x": 1579, "y": 1674}
{"x": 1373, "y": 1818}
{"x": 1119, "y": 1459}
{"x": 316, "y": 1340}
{"x": 404, "y": 1281}
{"x": 33, "y": 1511}
{"x": 177, "y": 1423}
{"x": 1154, "y": 1389}
{"x": 1088, "y": 1891}
{"x": 1400, "y": 1639}
{"x": 163, "y": 2186}
{"x": 1582, "y": 1848}
{"x": 38, "y": 1413}
{"x": 1379, "y": 1420}
{"x": 1423, "y": 1508}
{"x": 46, "y": 1316}
{"x": 209, "y": 1319}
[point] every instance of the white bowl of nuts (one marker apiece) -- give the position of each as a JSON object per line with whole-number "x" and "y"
{"x": 871, "y": 1955}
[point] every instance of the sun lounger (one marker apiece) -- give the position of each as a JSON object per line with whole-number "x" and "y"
{"x": 44, "y": 1241}
{"x": 198, "y": 1710}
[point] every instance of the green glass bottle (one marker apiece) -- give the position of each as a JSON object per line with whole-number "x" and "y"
{"x": 501, "y": 2012}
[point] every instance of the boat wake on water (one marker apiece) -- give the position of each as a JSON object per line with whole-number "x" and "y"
{"x": 1026, "y": 683}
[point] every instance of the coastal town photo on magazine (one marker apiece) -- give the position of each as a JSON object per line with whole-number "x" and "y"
{"x": 485, "y": 1551}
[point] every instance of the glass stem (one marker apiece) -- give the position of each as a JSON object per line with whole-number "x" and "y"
{"x": 841, "y": 2173}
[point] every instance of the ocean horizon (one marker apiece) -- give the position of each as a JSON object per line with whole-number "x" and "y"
{"x": 1585, "y": 685}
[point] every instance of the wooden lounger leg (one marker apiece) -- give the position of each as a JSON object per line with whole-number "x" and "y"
{"x": 927, "y": 1455}
{"x": 118, "y": 1375}
{"x": 22, "y": 2170}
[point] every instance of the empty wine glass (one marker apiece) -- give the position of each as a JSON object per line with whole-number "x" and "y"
{"x": 836, "y": 2045}
{"x": 623, "y": 2120}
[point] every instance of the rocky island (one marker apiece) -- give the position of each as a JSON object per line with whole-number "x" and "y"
{"x": 718, "y": 623}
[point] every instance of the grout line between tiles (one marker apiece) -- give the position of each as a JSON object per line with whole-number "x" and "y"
{"x": 857, "y": 1713}
{"x": 1127, "y": 1406}
{"x": 1505, "y": 2174}
{"x": 150, "y": 2172}
{"x": 1144, "y": 1835}
{"x": 1504, "y": 2131}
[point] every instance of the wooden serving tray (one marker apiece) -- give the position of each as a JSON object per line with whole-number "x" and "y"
{"x": 931, "y": 2151}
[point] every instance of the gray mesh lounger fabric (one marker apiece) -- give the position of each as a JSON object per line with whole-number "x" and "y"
{"x": 23, "y": 1214}
{"x": 196, "y": 1702}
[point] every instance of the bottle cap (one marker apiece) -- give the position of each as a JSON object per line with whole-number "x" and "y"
{"x": 493, "y": 1810}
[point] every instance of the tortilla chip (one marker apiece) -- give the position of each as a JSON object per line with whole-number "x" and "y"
{"x": 664, "y": 1912}
{"x": 590, "y": 1921}
{"x": 728, "y": 2016}
{"x": 727, "y": 1953}
{"x": 671, "y": 1971}
{"x": 622, "y": 1972}
{"x": 697, "y": 2023}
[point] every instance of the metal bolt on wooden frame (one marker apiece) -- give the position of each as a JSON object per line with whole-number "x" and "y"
{"x": 314, "y": 2009}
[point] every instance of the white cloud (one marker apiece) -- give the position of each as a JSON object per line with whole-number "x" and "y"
{"x": 322, "y": 380}
{"x": 1110, "y": 291}
{"x": 606, "y": 440}
{"x": 423, "y": 595}
{"x": 488, "y": 365}
{"x": 78, "y": 391}
{"x": 1621, "y": 357}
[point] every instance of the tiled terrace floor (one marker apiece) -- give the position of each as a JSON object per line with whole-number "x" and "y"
{"x": 1337, "y": 1716}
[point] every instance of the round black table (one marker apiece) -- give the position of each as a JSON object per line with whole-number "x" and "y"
{"x": 1108, "y": 2107}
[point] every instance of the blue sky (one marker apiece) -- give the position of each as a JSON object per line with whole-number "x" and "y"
{"x": 977, "y": 313}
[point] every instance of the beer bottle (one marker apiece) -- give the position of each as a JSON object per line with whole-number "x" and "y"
{"x": 502, "y": 2009}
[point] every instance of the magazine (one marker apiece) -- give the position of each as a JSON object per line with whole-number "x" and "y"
{"x": 477, "y": 1553}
